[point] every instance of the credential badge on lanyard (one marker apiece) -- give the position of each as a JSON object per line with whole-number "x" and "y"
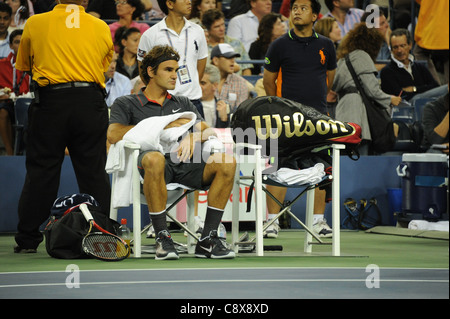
{"x": 183, "y": 70}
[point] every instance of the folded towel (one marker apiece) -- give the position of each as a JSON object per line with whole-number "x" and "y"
{"x": 427, "y": 225}
{"x": 290, "y": 176}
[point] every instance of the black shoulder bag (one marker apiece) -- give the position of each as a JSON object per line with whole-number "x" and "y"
{"x": 380, "y": 122}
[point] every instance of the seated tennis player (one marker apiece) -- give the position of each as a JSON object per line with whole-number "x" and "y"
{"x": 180, "y": 165}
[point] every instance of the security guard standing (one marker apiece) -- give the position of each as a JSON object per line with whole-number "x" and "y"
{"x": 67, "y": 51}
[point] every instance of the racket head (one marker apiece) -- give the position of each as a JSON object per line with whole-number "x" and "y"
{"x": 105, "y": 247}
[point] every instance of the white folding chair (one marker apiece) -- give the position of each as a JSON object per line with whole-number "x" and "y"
{"x": 258, "y": 179}
{"x": 175, "y": 194}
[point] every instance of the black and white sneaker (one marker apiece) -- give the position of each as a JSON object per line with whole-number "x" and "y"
{"x": 322, "y": 229}
{"x": 165, "y": 248}
{"x": 213, "y": 247}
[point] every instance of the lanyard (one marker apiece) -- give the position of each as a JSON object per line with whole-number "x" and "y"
{"x": 185, "y": 44}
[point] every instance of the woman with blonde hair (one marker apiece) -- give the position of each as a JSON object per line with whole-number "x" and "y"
{"x": 328, "y": 27}
{"x": 362, "y": 45}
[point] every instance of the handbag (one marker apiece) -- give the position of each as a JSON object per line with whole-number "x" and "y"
{"x": 380, "y": 122}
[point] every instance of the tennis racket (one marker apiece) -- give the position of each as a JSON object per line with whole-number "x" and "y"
{"x": 102, "y": 245}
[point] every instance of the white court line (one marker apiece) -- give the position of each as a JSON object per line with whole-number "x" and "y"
{"x": 225, "y": 281}
{"x": 218, "y": 268}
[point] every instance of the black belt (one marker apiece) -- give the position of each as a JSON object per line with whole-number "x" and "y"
{"x": 69, "y": 85}
{"x": 348, "y": 90}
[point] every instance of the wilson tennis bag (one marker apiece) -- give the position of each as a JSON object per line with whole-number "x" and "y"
{"x": 289, "y": 128}
{"x": 67, "y": 226}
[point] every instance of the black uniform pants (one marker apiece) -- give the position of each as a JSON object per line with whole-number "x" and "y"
{"x": 76, "y": 118}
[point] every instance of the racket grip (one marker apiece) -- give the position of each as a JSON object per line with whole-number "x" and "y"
{"x": 87, "y": 214}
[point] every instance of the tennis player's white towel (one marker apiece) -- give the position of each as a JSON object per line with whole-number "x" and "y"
{"x": 151, "y": 136}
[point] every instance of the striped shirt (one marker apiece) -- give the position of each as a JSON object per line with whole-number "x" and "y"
{"x": 234, "y": 91}
{"x": 353, "y": 16}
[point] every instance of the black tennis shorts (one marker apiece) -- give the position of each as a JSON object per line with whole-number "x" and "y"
{"x": 189, "y": 174}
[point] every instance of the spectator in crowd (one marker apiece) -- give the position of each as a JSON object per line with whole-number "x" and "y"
{"x": 403, "y": 76}
{"x": 199, "y": 7}
{"x": 20, "y": 13}
{"x": 5, "y": 21}
{"x": 345, "y": 13}
{"x": 361, "y": 45}
{"x": 217, "y": 112}
{"x": 270, "y": 28}
{"x": 116, "y": 84}
{"x": 128, "y": 11}
{"x": 11, "y": 81}
{"x": 244, "y": 27}
{"x": 232, "y": 88}
{"x": 127, "y": 41}
{"x": 435, "y": 124}
{"x": 188, "y": 39}
{"x": 214, "y": 22}
{"x": 328, "y": 27}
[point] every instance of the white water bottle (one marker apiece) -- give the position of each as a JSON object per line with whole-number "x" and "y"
{"x": 125, "y": 232}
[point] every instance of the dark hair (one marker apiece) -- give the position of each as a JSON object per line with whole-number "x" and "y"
{"x": 24, "y": 11}
{"x": 139, "y": 8}
{"x": 399, "y": 32}
{"x": 315, "y": 6}
{"x": 5, "y": 8}
{"x": 265, "y": 29}
{"x": 123, "y": 33}
{"x": 195, "y": 12}
{"x": 329, "y": 4}
{"x": 163, "y": 6}
{"x": 155, "y": 57}
{"x": 14, "y": 34}
{"x": 363, "y": 38}
{"x": 210, "y": 16}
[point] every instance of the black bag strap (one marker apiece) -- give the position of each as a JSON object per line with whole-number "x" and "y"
{"x": 355, "y": 78}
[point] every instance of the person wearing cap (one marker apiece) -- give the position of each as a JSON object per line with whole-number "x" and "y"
{"x": 188, "y": 39}
{"x": 68, "y": 110}
{"x": 232, "y": 88}
{"x": 216, "y": 172}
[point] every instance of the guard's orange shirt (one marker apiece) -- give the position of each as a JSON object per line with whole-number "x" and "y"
{"x": 65, "y": 45}
{"x": 432, "y": 25}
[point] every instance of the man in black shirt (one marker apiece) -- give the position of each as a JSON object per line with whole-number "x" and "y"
{"x": 403, "y": 76}
{"x": 307, "y": 62}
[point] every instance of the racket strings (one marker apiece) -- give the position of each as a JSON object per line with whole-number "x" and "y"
{"x": 105, "y": 246}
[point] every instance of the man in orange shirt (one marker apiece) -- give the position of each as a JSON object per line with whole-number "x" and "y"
{"x": 432, "y": 36}
{"x": 67, "y": 61}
